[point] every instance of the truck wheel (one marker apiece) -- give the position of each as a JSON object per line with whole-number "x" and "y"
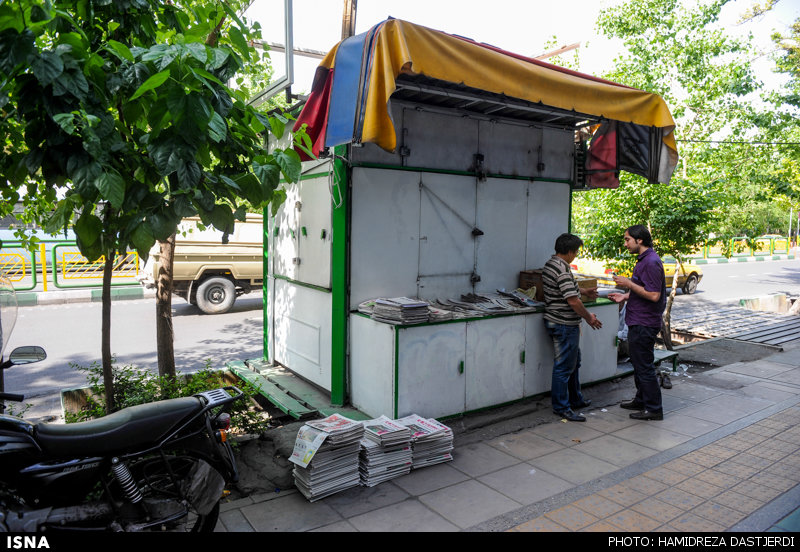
{"x": 216, "y": 295}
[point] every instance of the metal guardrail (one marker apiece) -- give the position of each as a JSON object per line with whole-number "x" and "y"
{"x": 764, "y": 246}
{"x": 68, "y": 268}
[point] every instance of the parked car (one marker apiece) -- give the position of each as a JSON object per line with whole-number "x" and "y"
{"x": 689, "y": 275}
{"x": 208, "y": 273}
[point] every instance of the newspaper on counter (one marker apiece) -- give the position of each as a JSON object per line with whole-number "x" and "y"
{"x": 431, "y": 441}
{"x": 326, "y": 456}
{"x": 400, "y": 310}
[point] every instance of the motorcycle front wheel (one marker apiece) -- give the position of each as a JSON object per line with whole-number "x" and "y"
{"x": 164, "y": 482}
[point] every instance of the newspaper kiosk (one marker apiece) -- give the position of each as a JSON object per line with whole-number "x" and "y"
{"x": 445, "y": 169}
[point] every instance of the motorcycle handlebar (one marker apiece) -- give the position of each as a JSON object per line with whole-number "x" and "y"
{"x": 11, "y": 397}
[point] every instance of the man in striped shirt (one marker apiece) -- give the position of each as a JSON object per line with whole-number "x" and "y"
{"x": 562, "y": 317}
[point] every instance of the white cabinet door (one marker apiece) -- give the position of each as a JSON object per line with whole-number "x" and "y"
{"x": 283, "y": 235}
{"x": 494, "y": 369}
{"x": 314, "y": 224}
{"x": 538, "y": 356}
{"x": 599, "y": 347}
{"x": 430, "y": 370}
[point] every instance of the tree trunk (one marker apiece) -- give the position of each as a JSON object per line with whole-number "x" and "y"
{"x": 164, "y": 333}
{"x": 666, "y": 330}
{"x": 108, "y": 375}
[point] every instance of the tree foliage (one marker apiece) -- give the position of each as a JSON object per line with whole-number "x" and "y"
{"x": 118, "y": 114}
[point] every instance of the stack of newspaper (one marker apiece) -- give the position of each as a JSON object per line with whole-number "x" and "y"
{"x": 400, "y": 310}
{"x": 385, "y": 451}
{"x": 326, "y": 456}
{"x": 431, "y": 442}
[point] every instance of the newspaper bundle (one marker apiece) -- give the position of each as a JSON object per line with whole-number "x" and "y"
{"x": 431, "y": 442}
{"x": 385, "y": 451}
{"x": 326, "y": 456}
{"x": 400, "y": 310}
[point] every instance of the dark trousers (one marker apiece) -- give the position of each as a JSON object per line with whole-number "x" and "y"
{"x": 641, "y": 341}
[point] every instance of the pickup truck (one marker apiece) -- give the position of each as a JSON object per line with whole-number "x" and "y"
{"x": 208, "y": 273}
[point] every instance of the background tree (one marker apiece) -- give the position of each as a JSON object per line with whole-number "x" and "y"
{"x": 118, "y": 111}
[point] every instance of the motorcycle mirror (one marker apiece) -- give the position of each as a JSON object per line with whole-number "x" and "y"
{"x": 27, "y": 355}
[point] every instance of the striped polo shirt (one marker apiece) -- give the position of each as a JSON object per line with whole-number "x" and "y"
{"x": 558, "y": 284}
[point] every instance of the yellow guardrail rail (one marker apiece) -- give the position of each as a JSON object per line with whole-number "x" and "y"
{"x": 67, "y": 268}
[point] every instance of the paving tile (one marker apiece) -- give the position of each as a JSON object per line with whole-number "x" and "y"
{"x": 468, "y": 503}
{"x": 789, "y": 376}
{"x": 703, "y": 459}
{"x": 737, "y": 443}
{"x": 598, "y": 505}
{"x": 666, "y": 475}
{"x": 525, "y": 445}
{"x": 573, "y": 465}
{"x": 540, "y": 524}
{"x": 657, "y": 509}
{"x": 791, "y": 522}
{"x": 234, "y": 521}
{"x": 615, "y": 450}
{"x": 680, "y": 498}
{"x": 753, "y": 461}
{"x": 700, "y": 488}
{"x": 338, "y": 527}
{"x": 738, "y": 501}
{"x": 721, "y": 452}
{"x": 430, "y": 479}
{"x": 757, "y": 491}
{"x": 718, "y": 513}
{"x": 645, "y": 485}
{"x": 687, "y": 425}
{"x": 525, "y": 484}
{"x": 479, "y": 458}
{"x": 359, "y": 500}
{"x": 672, "y": 403}
{"x": 693, "y": 523}
{"x": 768, "y": 392}
{"x": 734, "y": 468}
{"x": 631, "y": 521}
{"x": 777, "y": 482}
{"x": 567, "y": 434}
{"x": 622, "y": 495}
{"x": 289, "y": 513}
{"x": 718, "y": 478}
{"x": 784, "y": 469}
{"x": 601, "y": 527}
{"x": 714, "y": 413}
{"x": 571, "y": 517}
{"x": 759, "y": 368}
{"x": 608, "y": 421}
{"x": 407, "y": 516}
{"x": 694, "y": 392}
{"x": 681, "y": 465}
{"x": 651, "y": 434}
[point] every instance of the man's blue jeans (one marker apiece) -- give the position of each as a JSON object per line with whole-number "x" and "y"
{"x": 565, "y": 389}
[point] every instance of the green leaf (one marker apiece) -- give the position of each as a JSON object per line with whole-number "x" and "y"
{"x": 60, "y": 217}
{"x": 89, "y": 228}
{"x": 120, "y": 50}
{"x": 66, "y": 121}
{"x": 278, "y": 127}
{"x": 238, "y": 40}
{"x": 47, "y": 67}
{"x": 112, "y": 188}
{"x": 217, "y": 128}
{"x": 289, "y": 162}
{"x": 222, "y": 218}
{"x": 143, "y": 239}
{"x": 198, "y": 51}
{"x": 152, "y": 83}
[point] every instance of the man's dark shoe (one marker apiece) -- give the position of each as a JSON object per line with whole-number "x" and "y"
{"x": 647, "y": 415}
{"x": 583, "y": 404}
{"x": 571, "y": 416}
{"x": 666, "y": 383}
{"x": 632, "y": 405}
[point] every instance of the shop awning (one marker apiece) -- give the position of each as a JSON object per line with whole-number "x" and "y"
{"x": 633, "y": 129}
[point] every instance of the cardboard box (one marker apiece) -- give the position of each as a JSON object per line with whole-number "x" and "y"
{"x": 531, "y": 278}
{"x": 586, "y": 283}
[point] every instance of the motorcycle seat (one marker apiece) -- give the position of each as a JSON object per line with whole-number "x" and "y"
{"x": 133, "y": 427}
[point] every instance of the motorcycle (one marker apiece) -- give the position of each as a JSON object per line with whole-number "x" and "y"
{"x": 161, "y": 466}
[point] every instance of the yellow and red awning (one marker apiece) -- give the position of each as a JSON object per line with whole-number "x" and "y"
{"x": 353, "y": 84}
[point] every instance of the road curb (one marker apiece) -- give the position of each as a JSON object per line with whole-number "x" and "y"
{"x": 34, "y": 298}
{"x": 724, "y": 260}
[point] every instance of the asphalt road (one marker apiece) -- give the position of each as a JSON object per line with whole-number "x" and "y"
{"x": 70, "y": 333}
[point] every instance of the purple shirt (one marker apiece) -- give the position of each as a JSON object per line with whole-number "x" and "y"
{"x": 649, "y": 273}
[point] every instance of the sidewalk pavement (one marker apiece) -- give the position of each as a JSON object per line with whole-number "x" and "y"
{"x": 726, "y": 457}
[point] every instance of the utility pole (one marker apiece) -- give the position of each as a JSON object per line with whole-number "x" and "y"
{"x": 349, "y": 19}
